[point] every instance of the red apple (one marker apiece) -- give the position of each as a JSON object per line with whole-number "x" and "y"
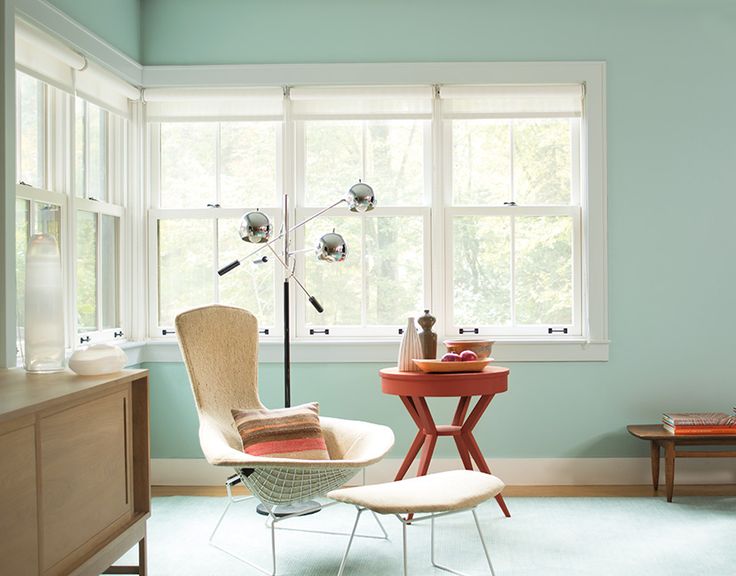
{"x": 451, "y": 357}
{"x": 468, "y": 356}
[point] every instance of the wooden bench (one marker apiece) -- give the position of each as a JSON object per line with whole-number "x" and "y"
{"x": 659, "y": 437}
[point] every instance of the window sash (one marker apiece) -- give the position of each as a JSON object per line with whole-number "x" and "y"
{"x": 100, "y": 209}
{"x": 213, "y": 215}
{"x": 358, "y": 330}
{"x": 574, "y": 328}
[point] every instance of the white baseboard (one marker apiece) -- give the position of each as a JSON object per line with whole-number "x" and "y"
{"x": 513, "y": 471}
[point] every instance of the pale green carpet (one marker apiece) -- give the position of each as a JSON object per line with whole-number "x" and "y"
{"x": 545, "y": 537}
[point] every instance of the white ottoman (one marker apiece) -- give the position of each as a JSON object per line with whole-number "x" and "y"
{"x": 433, "y": 495}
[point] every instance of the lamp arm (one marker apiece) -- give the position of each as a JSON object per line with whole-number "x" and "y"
{"x": 313, "y": 216}
{"x": 313, "y": 301}
{"x": 235, "y": 263}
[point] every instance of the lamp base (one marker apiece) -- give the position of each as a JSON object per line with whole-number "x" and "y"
{"x": 300, "y": 508}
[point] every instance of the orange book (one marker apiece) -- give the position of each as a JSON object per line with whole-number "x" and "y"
{"x": 701, "y": 430}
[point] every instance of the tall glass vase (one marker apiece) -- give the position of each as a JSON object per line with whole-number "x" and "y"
{"x": 44, "y": 313}
{"x": 410, "y": 348}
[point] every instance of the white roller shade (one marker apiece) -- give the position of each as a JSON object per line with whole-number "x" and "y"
{"x": 103, "y": 88}
{"x": 366, "y": 101}
{"x": 506, "y": 101}
{"x": 205, "y": 104}
{"x": 44, "y": 57}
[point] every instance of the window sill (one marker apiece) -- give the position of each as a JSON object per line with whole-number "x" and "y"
{"x": 381, "y": 351}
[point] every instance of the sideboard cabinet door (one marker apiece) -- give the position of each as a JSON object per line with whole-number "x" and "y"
{"x": 19, "y": 543}
{"x": 85, "y": 467}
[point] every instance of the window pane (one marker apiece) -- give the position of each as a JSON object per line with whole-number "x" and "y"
{"x": 97, "y": 152}
{"x": 31, "y": 130}
{"x": 542, "y": 161}
{"x": 544, "y": 287}
{"x": 333, "y": 160}
{"x": 481, "y": 162}
{"x": 80, "y": 137}
{"x": 47, "y": 219}
{"x": 337, "y": 286}
{"x": 86, "y": 271}
{"x": 109, "y": 270}
{"x": 188, "y": 164}
{"x": 186, "y": 266}
{"x": 387, "y": 154}
{"x": 482, "y": 275}
{"x": 394, "y": 163}
{"x": 22, "y": 225}
{"x": 394, "y": 270}
{"x": 251, "y": 286}
{"x": 248, "y": 157}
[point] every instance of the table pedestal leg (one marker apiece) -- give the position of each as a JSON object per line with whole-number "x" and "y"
{"x": 654, "y": 454}
{"x": 410, "y": 455}
{"x": 483, "y": 467}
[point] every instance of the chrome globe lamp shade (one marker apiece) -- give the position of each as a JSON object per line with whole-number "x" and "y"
{"x": 360, "y": 198}
{"x": 331, "y": 248}
{"x": 255, "y": 227}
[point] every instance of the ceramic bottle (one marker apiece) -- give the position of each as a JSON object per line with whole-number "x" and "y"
{"x": 410, "y": 348}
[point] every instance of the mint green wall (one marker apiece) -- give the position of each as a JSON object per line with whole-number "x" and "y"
{"x": 671, "y": 200}
{"x": 671, "y": 204}
{"x": 116, "y": 21}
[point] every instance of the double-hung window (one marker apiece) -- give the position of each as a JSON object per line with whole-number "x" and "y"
{"x": 38, "y": 209}
{"x": 382, "y": 136}
{"x": 214, "y": 155}
{"x": 100, "y": 155}
{"x": 72, "y": 150}
{"x": 513, "y": 208}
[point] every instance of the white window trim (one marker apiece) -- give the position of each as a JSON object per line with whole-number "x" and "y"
{"x": 591, "y": 347}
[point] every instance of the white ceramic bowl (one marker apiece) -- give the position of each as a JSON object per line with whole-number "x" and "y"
{"x": 98, "y": 359}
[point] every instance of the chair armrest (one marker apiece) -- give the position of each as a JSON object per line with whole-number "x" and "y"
{"x": 354, "y": 442}
{"x": 351, "y": 443}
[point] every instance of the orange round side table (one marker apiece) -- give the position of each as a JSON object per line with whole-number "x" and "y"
{"x": 414, "y": 387}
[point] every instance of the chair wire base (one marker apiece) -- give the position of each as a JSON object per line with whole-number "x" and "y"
{"x": 271, "y": 522}
{"x": 298, "y": 508}
{"x": 404, "y": 524}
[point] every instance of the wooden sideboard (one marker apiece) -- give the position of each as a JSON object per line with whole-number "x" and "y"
{"x": 74, "y": 472}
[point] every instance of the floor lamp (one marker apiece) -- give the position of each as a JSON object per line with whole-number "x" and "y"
{"x": 256, "y": 228}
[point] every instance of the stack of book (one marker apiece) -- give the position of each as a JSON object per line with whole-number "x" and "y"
{"x": 694, "y": 423}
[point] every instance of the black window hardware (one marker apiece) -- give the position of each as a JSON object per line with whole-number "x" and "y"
{"x": 468, "y": 331}
{"x": 264, "y": 331}
{"x": 118, "y": 334}
{"x": 165, "y": 332}
{"x": 84, "y": 339}
{"x": 312, "y": 331}
{"x": 553, "y": 330}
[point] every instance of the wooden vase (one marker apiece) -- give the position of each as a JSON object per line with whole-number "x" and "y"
{"x": 410, "y": 348}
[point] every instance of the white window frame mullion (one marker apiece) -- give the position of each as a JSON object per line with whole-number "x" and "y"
{"x": 216, "y": 253}
{"x": 436, "y": 165}
{"x": 512, "y": 267}
{"x": 512, "y": 159}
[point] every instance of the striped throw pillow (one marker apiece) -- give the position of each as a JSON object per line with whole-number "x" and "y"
{"x": 282, "y": 433}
